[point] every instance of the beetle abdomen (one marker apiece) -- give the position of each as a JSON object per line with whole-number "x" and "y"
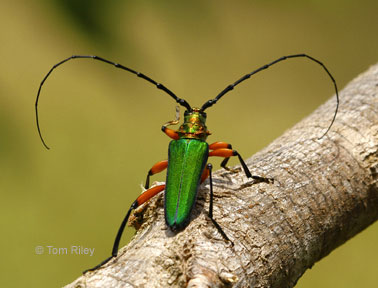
{"x": 186, "y": 161}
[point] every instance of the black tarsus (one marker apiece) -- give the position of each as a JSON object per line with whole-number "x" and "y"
{"x": 246, "y": 170}
{"x": 219, "y": 228}
{"x": 160, "y": 86}
{"x": 149, "y": 174}
{"x": 230, "y": 87}
{"x": 117, "y": 239}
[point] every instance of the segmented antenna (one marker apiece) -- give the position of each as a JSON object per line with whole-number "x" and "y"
{"x": 230, "y": 87}
{"x": 160, "y": 86}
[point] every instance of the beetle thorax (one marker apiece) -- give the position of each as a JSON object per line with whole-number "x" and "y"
{"x": 194, "y": 125}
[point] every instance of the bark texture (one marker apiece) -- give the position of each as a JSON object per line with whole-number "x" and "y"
{"x": 325, "y": 192}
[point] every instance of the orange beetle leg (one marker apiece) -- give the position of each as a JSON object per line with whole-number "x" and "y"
{"x": 219, "y": 145}
{"x": 222, "y": 152}
{"x": 170, "y": 133}
{"x": 148, "y": 194}
{"x": 205, "y": 174}
{"x": 158, "y": 167}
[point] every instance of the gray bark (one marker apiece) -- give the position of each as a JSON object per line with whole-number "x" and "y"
{"x": 325, "y": 192}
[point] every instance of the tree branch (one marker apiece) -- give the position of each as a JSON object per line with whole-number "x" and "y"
{"x": 325, "y": 192}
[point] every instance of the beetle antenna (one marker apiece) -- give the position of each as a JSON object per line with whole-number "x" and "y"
{"x": 230, "y": 87}
{"x": 160, "y": 86}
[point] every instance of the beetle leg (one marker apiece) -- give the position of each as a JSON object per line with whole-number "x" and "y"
{"x": 158, "y": 167}
{"x": 219, "y": 149}
{"x": 170, "y": 133}
{"x": 209, "y": 168}
{"x": 148, "y": 194}
{"x": 205, "y": 174}
{"x": 145, "y": 196}
{"x": 219, "y": 145}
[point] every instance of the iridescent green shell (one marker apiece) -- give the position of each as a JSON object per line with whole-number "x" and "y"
{"x": 186, "y": 161}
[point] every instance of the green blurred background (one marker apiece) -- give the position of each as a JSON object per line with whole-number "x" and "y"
{"x": 103, "y": 125}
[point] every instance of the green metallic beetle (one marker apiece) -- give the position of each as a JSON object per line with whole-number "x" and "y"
{"x": 188, "y": 154}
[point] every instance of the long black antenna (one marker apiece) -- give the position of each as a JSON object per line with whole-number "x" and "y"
{"x": 180, "y": 101}
{"x": 230, "y": 87}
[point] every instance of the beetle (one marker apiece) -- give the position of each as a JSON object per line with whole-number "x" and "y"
{"x": 188, "y": 153}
